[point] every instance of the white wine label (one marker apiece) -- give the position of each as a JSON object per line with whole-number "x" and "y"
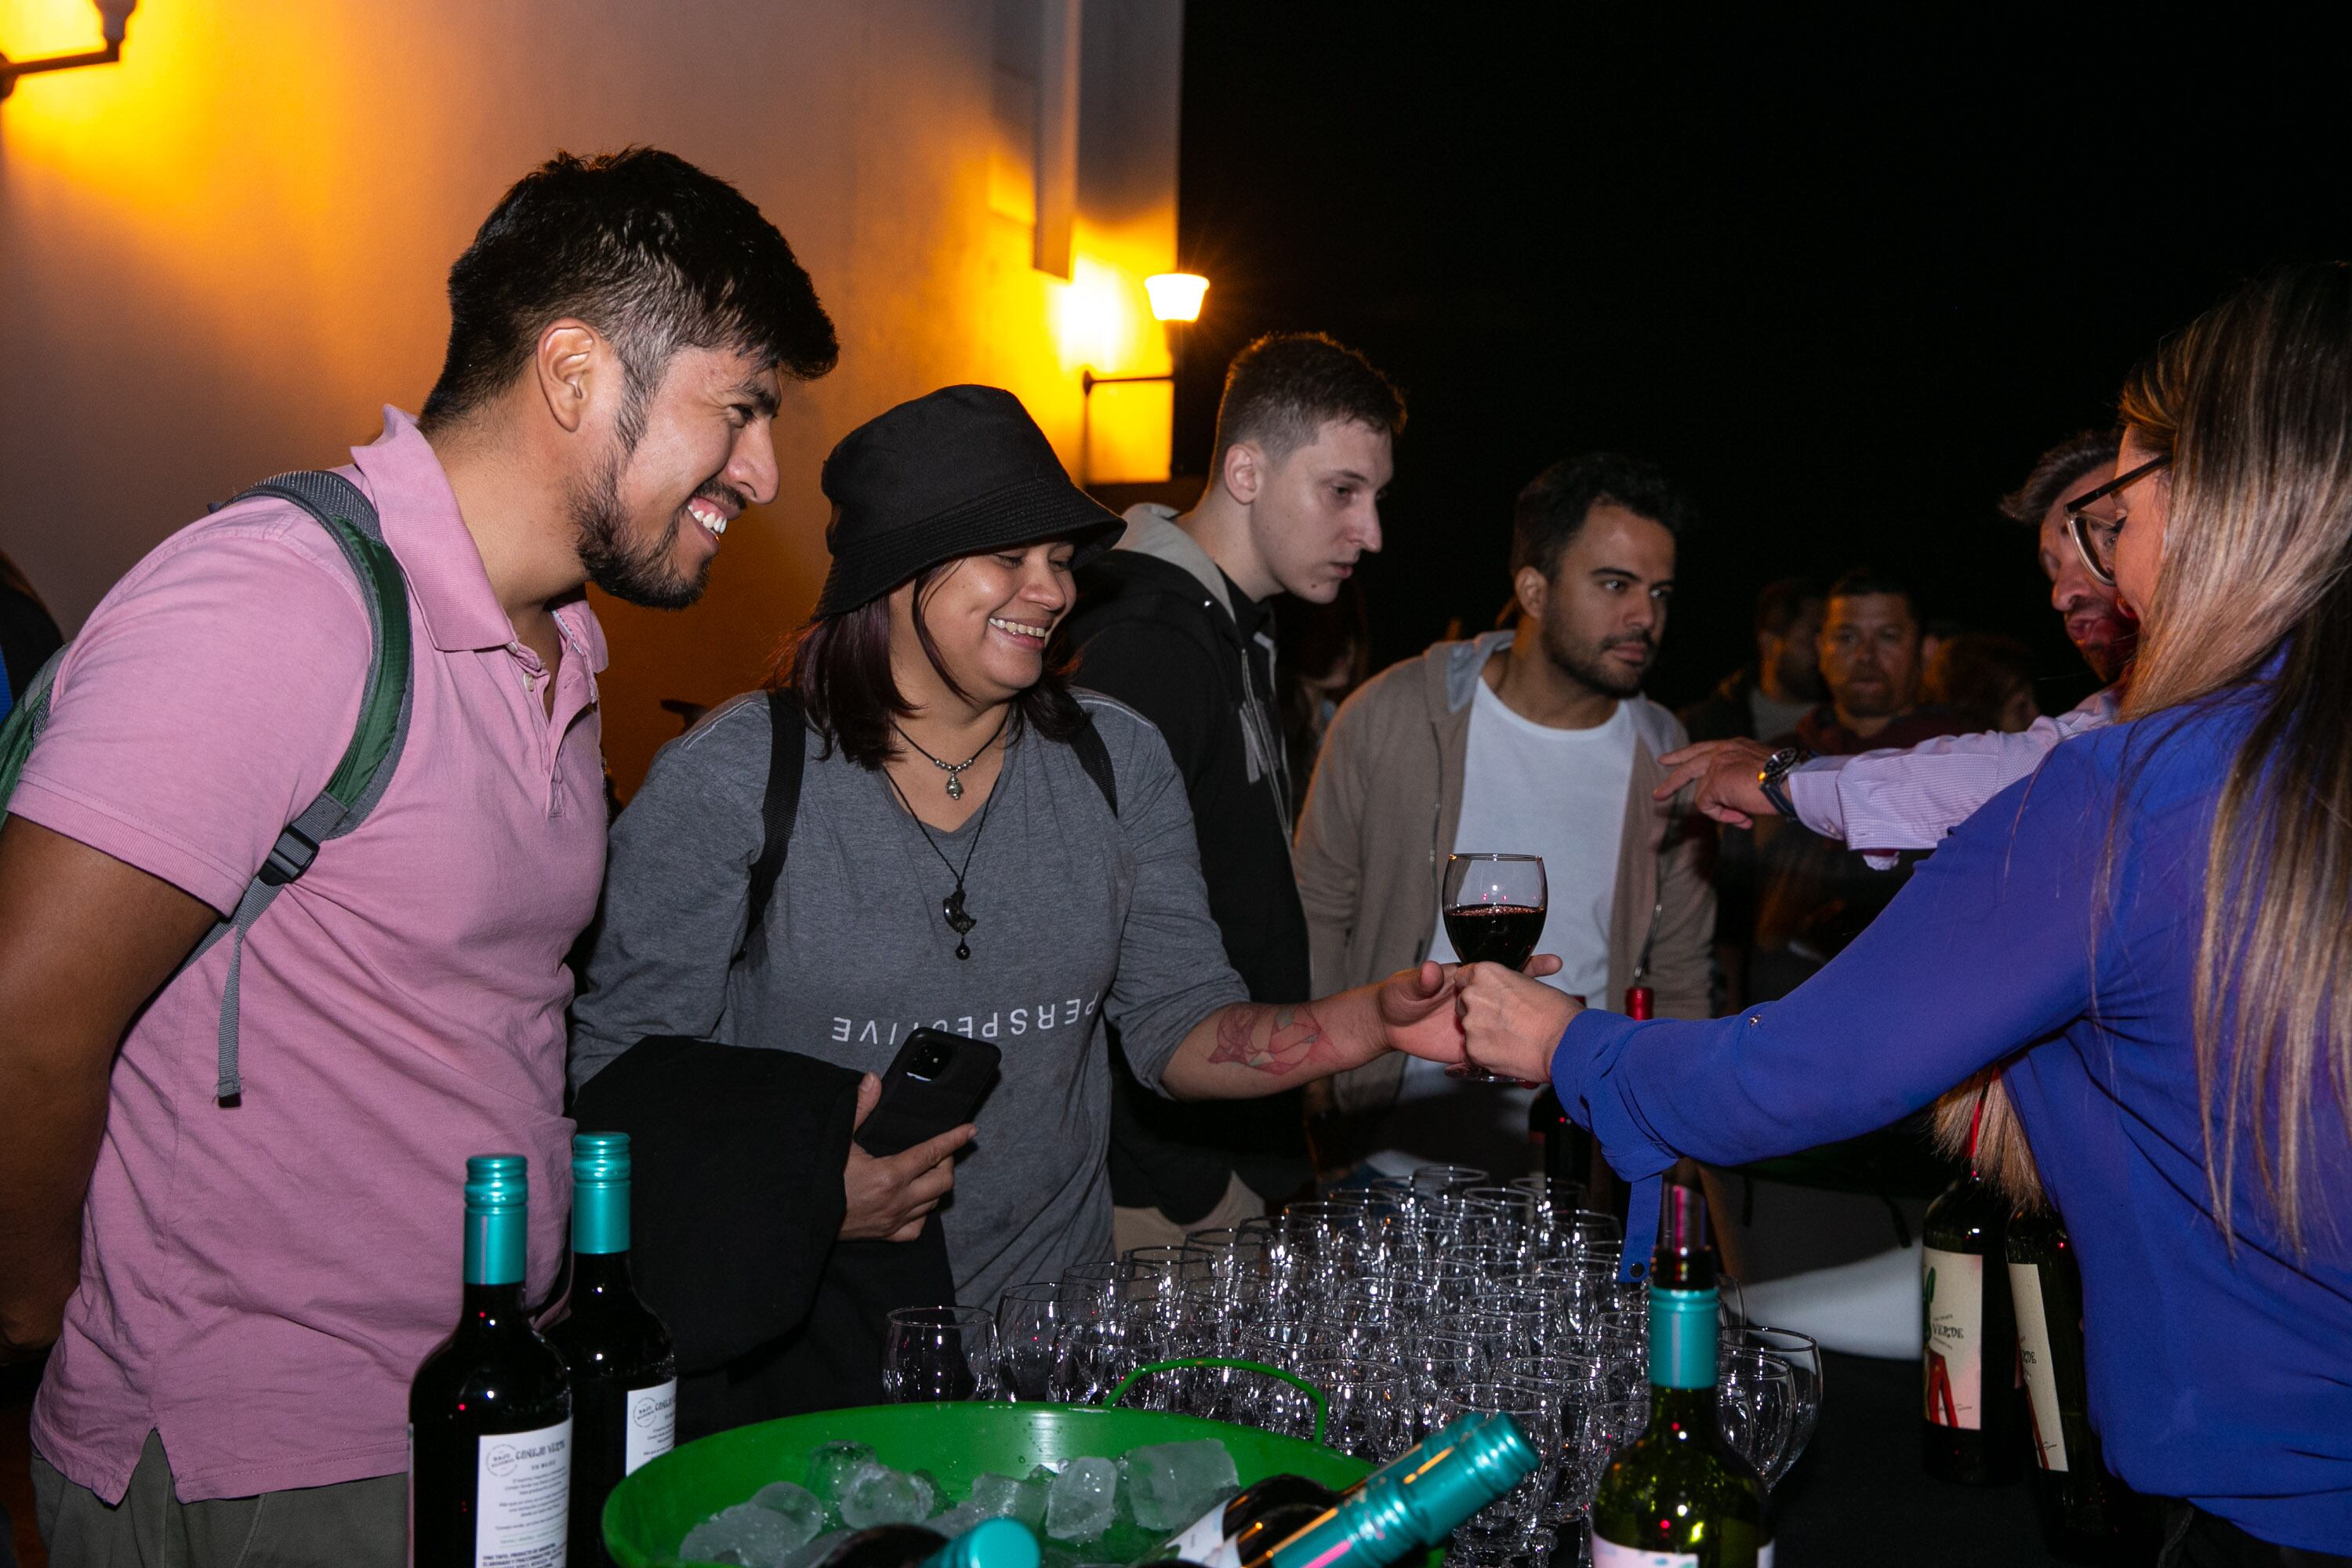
{"x": 523, "y": 1498}
{"x": 1609, "y": 1554}
{"x": 2040, "y": 1373}
{"x": 652, "y": 1427}
{"x": 1951, "y": 1288}
{"x": 1203, "y": 1541}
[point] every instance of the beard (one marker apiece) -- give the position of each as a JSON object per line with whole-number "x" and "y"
{"x": 1587, "y": 660}
{"x": 633, "y": 574}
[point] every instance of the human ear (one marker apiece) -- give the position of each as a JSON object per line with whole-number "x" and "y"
{"x": 568, "y": 366}
{"x": 1244, "y": 471}
{"x": 1527, "y": 585}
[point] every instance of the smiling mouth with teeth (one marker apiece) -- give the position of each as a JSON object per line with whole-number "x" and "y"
{"x": 1015, "y": 628}
{"x": 707, "y": 514}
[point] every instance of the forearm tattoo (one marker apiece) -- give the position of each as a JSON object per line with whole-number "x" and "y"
{"x": 1273, "y": 1039}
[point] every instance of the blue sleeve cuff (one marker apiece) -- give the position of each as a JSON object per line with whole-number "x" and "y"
{"x": 1584, "y": 1073}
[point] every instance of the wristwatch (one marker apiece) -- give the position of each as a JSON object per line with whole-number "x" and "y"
{"x": 1776, "y": 767}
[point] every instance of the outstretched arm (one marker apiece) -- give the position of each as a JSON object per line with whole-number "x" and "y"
{"x": 1250, "y": 1048}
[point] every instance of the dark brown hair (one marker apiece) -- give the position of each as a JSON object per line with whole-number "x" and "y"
{"x": 839, "y": 666}
{"x": 1285, "y": 386}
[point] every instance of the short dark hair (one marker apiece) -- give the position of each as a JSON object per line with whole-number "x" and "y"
{"x": 1974, "y": 673}
{"x": 839, "y": 667}
{"x": 2055, "y": 472}
{"x": 1285, "y": 386}
{"x": 1863, "y": 581}
{"x": 1782, "y": 601}
{"x": 1551, "y": 510}
{"x": 647, "y": 248}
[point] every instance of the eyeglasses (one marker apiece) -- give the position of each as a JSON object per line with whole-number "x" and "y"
{"x": 2094, "y": 520}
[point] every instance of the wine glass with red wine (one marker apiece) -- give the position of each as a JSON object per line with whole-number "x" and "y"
{"x": 1493, "y": 908}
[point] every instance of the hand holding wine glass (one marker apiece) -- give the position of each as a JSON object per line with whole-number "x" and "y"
{"x": 1495, "y": 906}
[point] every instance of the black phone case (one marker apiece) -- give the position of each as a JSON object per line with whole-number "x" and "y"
{"x": 913, "y": 1108}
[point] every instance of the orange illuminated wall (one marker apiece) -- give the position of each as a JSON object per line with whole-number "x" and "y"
{"x": 218, "y": 257}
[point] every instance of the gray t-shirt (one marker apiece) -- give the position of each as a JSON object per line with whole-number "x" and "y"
{"x": 1080, "y": 914}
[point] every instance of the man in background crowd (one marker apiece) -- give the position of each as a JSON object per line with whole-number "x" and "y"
{"x": 1814, "y": 898}
{"x": 1533, "y": 741}
{"x": 268, "y": 1268}
{"x": 1177, "y": 624}
{"x": 1767, "y": 697}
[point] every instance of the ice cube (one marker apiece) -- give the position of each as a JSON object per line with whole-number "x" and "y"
{"x": 745, "y": 1534}
{"x": 1081, "y": 1503}
{"x": 964, "y": 1516}
{"x": 1029, "y": 1498}
{"x": 797, "y": 1506}
{"x": 1170, "y": 1485}
{"x": 879, "y": 1496}
{"x": 936, "y": 1495}
{"x": 832, "y": 1465}
{"x": 995, "y": 1496}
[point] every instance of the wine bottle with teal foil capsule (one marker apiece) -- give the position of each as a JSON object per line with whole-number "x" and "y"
{"x": 1680, "y": 1496}
{"x": 489, "y": 1412}
{"x": 624, "y": 1366}
{"x": 1394, "y": 1515}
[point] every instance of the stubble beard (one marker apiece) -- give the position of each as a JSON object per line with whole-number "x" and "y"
{"x": 1588, "y": 663}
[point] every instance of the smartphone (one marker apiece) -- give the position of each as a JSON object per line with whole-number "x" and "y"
{"x": 937, "y": 1082}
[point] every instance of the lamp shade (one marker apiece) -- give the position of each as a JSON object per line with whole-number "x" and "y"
{"x": 114, "y": 17}
{"x": 1176, "y": 296}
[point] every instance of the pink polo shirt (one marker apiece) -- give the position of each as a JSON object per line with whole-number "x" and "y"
{"x": 258, "y": 1283}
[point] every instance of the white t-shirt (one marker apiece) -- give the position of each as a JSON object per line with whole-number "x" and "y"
{"x": 1527, "y": 789}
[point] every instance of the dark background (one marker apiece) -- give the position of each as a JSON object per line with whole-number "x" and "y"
{"x": 1845, "y": 279}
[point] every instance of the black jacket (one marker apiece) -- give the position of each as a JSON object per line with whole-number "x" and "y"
{"x": 736, "y": 1207}
{"x": 1151, "y": 635}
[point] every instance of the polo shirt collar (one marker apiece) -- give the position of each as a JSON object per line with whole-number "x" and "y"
{"x": 427, "y": 532}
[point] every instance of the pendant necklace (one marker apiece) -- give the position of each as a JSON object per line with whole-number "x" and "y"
{"x": 953, "y": 770}
{"x": 951, "y": 910}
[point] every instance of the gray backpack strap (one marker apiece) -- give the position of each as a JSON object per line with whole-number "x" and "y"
{"x": 369, "y": 760}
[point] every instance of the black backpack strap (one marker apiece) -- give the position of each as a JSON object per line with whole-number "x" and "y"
{"x": 1095, "y": 757}
{"x": 787, "y": 754}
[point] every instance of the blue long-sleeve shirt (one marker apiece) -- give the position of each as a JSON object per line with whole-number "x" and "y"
{"x": 2222, "y": 1377}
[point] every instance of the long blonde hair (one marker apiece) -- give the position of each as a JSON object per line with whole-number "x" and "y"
{"x": 2253, "y": 406}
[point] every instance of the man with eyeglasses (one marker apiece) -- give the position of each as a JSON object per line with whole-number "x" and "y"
{"x": 1885, "y": 802}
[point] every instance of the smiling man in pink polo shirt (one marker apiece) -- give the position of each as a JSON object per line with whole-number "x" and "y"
{"x": 239, "y": 1292}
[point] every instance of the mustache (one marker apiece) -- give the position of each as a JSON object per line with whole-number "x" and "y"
{"x": 724, "y": 493}
{"x": 1636, "y": 639}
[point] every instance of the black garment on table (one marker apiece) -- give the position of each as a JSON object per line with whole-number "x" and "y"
{"x": 1150, "y": 635}
{"x": 736, "y": 1209}
{"x": 2195, "y": 1539}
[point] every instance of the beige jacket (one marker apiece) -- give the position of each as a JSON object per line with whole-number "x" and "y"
{"x": 1381, "y": 820}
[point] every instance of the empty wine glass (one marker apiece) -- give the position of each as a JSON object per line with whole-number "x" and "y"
{"x": 938, "y": 1352}
{"x": 1493, "y": 908}
{"x": 1802, "y": 1357}
{"x": 1367, "y": 1411}
{"x": 1508, "y": 1527}
{"x": 1753, "y": 1396}
{"x": 1028, "y": 1318}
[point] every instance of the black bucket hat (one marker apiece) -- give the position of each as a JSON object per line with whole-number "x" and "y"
{"x": 955, "y": 472}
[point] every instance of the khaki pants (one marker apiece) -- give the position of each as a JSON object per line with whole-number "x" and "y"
{"x": 1149, "y": 1227}
{"x": 358, "y": 1524}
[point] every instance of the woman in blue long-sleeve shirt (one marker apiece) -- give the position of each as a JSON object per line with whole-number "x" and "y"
{"x": 2154, "y": 934}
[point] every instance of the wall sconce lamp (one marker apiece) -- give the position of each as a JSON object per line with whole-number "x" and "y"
{"x": 114, "y": 18}
{"x": 1176, "y": 304}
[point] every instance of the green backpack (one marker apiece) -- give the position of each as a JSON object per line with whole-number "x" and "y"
{"x": 359, "y": 780}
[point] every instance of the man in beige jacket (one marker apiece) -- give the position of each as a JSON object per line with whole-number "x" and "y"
{"x": 1531, "y": 740}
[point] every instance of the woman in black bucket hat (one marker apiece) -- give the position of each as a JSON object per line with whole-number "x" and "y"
{"x": 973, "y": 847}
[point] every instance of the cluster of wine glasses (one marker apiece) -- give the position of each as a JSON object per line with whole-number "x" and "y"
{"x": 1409, "y": 1302}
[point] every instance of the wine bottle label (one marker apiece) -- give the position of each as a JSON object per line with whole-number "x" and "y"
{"x": 1203, "y": 1541}
{"x": 1609, "y": 1554}
{"x": 2041, "y": 1372}
{"x": 1951, "y": 1288}
{"x": 652, "y": 1427}
{"x": 523, "y": 1498}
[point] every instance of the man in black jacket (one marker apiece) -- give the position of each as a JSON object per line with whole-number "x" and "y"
{"x": 1175, "y": 623}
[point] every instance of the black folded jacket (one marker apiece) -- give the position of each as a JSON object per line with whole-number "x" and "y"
{"x": 736, "y": 1206}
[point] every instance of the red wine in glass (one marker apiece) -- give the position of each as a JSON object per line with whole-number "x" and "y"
{"x": 1494, "y": 907}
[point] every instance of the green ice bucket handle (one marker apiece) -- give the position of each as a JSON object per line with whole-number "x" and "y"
{"x": 1322, "y": 1401}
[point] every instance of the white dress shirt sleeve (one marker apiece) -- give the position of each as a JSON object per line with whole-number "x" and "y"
{"x": 1885, "y": 802}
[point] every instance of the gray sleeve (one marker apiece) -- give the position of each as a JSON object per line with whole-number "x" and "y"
{"x": 1172, "y": 959}
{"x": 677, "y": 884}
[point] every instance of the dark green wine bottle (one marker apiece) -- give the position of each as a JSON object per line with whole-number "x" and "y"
{"x": 1969, "y": 1355}
{"x": 623, "y": 1367}
{"x": 2083, "y": 1508}
{"x": 490, "y": 1413}
{"x": 1680, "y": 1496}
